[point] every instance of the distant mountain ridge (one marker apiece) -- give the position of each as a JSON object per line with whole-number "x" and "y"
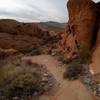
{"x": 54, "y": 26}
{"x": 50, "y": 25}
{"x": 18, "y": 35}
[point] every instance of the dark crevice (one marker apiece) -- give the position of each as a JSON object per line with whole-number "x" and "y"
{"x": 95, "y": 35}
{"x": 97, "y": 25}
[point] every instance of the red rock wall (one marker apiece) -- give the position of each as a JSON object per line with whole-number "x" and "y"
{"x": 81, "y": 27}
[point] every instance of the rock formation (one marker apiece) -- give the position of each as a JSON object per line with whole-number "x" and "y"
{"x": 26, "y": 38}
{"x": 17, "y": 28}
{"x": 82, "y": 28}
{"x": 17, "y": 35}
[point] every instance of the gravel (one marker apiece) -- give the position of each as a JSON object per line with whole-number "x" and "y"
{"x": 91, "y": 82}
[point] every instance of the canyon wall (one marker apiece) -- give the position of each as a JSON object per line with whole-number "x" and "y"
{"x": 82, "y": 32}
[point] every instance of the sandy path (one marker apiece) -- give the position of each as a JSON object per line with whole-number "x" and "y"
{"x": 67, "y": 90}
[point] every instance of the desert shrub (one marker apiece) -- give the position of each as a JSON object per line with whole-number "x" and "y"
{"x": 3, "y": 55}
{"x": 74, "y": 71}
{"x": 51, "y": 39}
{"x": 36, "y": 50}
{"x": 96, "y": 78}
{"x": 84, "y": 57}
{"x": 19, "y": 81}
{"x": 39, "y": 51}
{"x": 59, "y": 56}
{"x": 84, "y": 54}
{"x": 64, "y": 60}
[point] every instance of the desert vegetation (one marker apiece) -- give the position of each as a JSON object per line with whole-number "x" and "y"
{"x": 23, "y": 80}
{"x": 74, "y": 71}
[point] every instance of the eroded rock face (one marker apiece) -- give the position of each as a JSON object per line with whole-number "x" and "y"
{"x": 17, "y": 35}
{"x": 81, "y": 27}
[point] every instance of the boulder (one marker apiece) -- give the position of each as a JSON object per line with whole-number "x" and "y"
{"x": 81, "y": 27}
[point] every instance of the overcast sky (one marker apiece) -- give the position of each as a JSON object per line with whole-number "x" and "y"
{"x": 34, "y": 10}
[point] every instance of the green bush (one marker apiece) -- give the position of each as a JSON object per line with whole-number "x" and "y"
{"x": 19, "y": 81}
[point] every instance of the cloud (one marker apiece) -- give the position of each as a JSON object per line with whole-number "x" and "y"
{"x": 35, "y": 10}
{"x": 30, "y": 10}
{"x": 96, "y": 0}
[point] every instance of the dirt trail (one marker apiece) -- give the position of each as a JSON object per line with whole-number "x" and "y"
{"x": 67, "y": 90}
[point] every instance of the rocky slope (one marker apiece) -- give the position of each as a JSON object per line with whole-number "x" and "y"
{"x": 18, "y": 35}
{"x": 25, "y": 36}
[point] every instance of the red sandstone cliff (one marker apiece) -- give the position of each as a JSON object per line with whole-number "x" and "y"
{"x": 82, "y": 29}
